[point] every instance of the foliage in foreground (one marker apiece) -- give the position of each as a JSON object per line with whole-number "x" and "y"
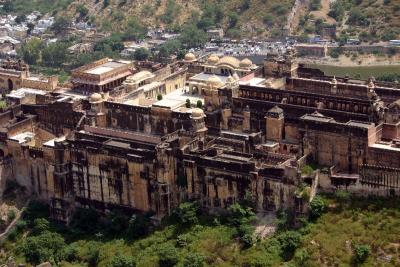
{"x": 345, "y": 232}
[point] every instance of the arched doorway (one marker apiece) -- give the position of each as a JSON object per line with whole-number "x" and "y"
{"x": 10, "y": 85}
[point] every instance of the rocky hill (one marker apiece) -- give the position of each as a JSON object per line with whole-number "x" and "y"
{"x": 371, "y": 20}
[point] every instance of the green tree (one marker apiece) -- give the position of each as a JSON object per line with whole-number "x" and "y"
{"x": 191, "y": 36}
{"x": 361, "y": 253}
{"x": 44, "y": 247}
{"x": 8, "y": 6}
{"x": 239, "y": 215}
{"x": 317, "y": 207}
{"x": 193, "y": 260}
{"x": 40, "y": 225}
{"x": 187, "y": 213}
{"x": 135, "y": 30}
{"x": 82, "y": 10}
{"x": 289, "y": 241}
{"x": 159, "y": 97}
{"x": 167, "y": 255}
{"x": 55, "y": 54}
{"x": 30, "y": 51}
{"x": 60, "y": 24}
{"x": 122, "y": 261}
{"x": 141, "y": 54}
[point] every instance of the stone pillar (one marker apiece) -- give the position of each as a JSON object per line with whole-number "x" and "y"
{"x": 246, "y": 119}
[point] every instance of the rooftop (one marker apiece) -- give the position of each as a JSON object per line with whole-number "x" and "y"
{"x": 104, "y": 68}
{"x": 22, "y": 92}
{"x": 22, "y": 138}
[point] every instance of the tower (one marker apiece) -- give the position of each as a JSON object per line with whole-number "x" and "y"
{"x": 275, "y": 124}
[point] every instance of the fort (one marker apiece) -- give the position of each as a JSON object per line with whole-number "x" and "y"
{"x": 222, "y": 130}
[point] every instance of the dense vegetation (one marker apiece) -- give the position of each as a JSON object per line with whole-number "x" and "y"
{"x": 340, "y": 231}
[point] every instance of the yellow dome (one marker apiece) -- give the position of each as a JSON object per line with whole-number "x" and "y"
{"x": 95, "y": 97}
{"x": 230, "y": 61}
{"x": 214, "y": 80}
{"x": 246, "y": 63}
{"x": 190, "y": 57}
{"x": 213, "y": 59}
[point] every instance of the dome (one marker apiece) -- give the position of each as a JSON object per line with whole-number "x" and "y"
{"x": 213, "y": 59}
{"x": 214, "y": 80}
{"x": 197, "y": 113}
{"x": 190, "y": 57}
{"x": 95, "y": 97}
{"x": 246, "y": 63}
{"x": 230, "y": 61}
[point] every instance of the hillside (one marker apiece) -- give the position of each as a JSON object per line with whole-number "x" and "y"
{"x": 341, "y": 232}
{"x": 238, "y": 17}
{"x": 370, "y": 21}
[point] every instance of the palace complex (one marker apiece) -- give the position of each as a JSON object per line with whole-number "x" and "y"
{"x": 145, "y": 136}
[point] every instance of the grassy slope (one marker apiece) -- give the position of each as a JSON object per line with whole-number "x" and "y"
{"x": 327, "y": 242}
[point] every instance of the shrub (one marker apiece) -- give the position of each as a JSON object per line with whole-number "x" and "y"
{"x": 141, "y": 54}
{"x": 40, "y": 225}
{"x": 361, "y": 253}
{"x": 70, "y": 253}
{"x": 20, "y": 226}
{"x": 289, "y": 241}
{"x": 317, "y": 207}
{"x": 187, "y": 213}
{"x": 168, "y": 255}
{"x": 159, "y": 97}
{"x": 11, "y": 215}
{"x": 193, "y": 260}
{"x": 188, "y": 103}
{"x": 239, "y": 215}
{"x": 93, "y": 255}
{"x": 122, "y": 261}
{"x": 43, "y": 247}
{"x": 199, "y": 104}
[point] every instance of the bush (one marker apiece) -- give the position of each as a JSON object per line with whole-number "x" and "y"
{"x": 70, "y": 253}
{"x": 40, "y": 225}
{"x": 11, "y": 215}
{"x": 168, "y": 255}
{"x": 193, "y": 260}
{"x": 122, "y": 261}
{"x": 93, "y": 255}
{"x": 361, "y": 253}
{"x": 199, "y": 104}
{"x": 141, "y": 54}
{"x": 289, "y": 241}
{"x": 239, "y": 215}
{"x": 188, "y": 104}
{"x": 21, "y": 226}
{"x": 159, "y": 97}
{"x": 187, "y": 213}
{"x": 44, "y": 247}
{"x": 317, "y": 207}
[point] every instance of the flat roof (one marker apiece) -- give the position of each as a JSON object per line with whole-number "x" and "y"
{"x": 104, "y": 68}
{"x": 204, "y": 77}
{"x": 51, "y": 143}
{"x": 22, "y": 92}
{"x": 169, "y": 103}
{"x": 24, "y": 137}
